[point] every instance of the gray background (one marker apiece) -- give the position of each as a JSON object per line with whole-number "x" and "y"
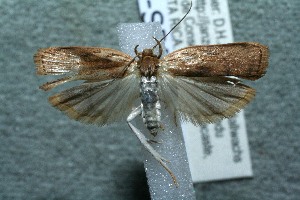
{"x": 45, "y": 155}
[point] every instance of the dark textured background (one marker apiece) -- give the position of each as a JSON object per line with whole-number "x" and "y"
{"x": 44, "y": 155}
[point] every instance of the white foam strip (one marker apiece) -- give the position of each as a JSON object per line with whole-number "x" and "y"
{"x": 171, "y": 144}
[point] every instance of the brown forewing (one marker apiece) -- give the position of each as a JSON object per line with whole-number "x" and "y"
{"x": 246, "y": 60}
{"x": 80, "y": 63}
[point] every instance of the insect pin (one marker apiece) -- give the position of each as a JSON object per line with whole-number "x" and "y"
{"x": 198, "y": 83}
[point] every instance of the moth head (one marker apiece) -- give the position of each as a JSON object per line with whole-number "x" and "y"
{"x": 147, "y": 52}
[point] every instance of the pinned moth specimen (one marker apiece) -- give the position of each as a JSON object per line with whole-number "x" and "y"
{"x": 198, "y": 84}
{"x": 194, "y": 83}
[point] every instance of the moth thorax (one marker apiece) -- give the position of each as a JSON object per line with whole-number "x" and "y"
{"x": 150, "y": 104}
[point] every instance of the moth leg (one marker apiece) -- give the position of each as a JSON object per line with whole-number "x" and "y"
{"x": 137, "y": 111}
{"x": 160, "y": 47}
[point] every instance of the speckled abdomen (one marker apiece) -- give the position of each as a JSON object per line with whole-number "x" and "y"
{"x": 150, "y": 104}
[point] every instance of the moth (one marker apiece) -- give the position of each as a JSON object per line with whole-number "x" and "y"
{"x": 198, "y": 84}
{"x": 194, "y": 83}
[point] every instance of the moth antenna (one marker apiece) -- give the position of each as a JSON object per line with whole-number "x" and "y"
{"x": 174, "y": 26}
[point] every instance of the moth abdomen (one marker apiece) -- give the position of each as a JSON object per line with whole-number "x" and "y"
{"x": 150, "y": 104}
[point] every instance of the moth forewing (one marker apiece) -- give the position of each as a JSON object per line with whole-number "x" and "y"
{"x": 80, "y": 63}
{"x": 247, "y": 60}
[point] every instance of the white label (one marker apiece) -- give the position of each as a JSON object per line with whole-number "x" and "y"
{"x": 215, "y": 151}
